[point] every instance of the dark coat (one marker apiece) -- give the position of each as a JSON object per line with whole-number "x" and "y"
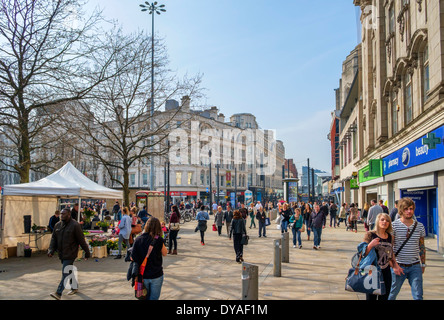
{"x": 66, "y": 239}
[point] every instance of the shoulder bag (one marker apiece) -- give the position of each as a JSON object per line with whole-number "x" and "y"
{"x": 368, "y": 280}
{"x": 140, "y": 291}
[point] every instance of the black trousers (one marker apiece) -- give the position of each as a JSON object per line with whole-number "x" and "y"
{"x": 238, "y": 247}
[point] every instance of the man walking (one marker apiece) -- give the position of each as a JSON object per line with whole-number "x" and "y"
{"x": 373, "y": 212}
{"x": 316, "y": 223}
{"x": 66, "y": 238}
{"x": 409, "y": 250}
{"x": 261, "y": 216}
{"x": 228, "y": 216}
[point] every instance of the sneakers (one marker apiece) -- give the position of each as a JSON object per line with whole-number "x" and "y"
{"x": 73, "y": 291}
{"x": 55, "y": 295}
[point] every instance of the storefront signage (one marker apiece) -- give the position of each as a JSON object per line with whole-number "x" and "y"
{"x": 425, "y": 149}
{"x": 372, "y": 171}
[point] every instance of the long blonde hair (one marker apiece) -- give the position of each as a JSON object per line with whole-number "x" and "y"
{"x": 387, "y": 217}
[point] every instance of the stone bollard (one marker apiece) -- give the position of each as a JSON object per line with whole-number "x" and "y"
{"x": 285, "y": 255}
{"x": 277, "y": 258}
{"x": 250, "y": 281}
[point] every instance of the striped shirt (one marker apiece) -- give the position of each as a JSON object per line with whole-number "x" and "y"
{"x": 409, "y": 254}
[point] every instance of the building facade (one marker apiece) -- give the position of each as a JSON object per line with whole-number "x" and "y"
{"x": 401, "y": 127}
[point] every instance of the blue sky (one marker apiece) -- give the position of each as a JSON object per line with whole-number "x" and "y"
{"x": 279, "y": 60}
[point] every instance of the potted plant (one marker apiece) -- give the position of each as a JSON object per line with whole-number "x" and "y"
{"x": 98, "y": 244}
{"x": 104, "y": 225}
{"x": 113, "y": 246}
{"x": 27, "y": 251}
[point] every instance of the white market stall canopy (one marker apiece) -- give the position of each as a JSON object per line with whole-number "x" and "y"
{"x": 65, "y": 182}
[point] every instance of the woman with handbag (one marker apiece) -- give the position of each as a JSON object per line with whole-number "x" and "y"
{"x": 147, "y": 252}
{"x": 238, "y": 232}
{"x": 382, "y": 241}
{"x": 174, "y": 228}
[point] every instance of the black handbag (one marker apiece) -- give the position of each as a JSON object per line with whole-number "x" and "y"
{"x": 245, "y": 238}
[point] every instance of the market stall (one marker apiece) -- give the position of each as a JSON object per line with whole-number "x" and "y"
{"x": 40, "y": 199}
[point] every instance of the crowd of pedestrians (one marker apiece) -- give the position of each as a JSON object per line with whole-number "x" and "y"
{"x": 387, "y": 233}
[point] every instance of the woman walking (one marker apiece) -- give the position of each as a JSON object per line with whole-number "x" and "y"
{"x": 297, "y": 220}
{"x": 173, "y": 228}
{"x": 125, "y": 231}
{"x": 202, "y": 217}
{"x": 342, "y": 214}
{"x": 237, "y": 231}
{"x": 382, "y": 241}
{"x": 219, "y": 219}
{"x": 286, "y": 213}
{"x": 353, "y": 217}
{"x": 306, "y": 214}
{"x": 153, "y": 274}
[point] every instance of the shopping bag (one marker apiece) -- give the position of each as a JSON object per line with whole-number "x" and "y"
{"x": 367, "y": 280}
{"x": 267, "y": 221}
{"x": 214, "y": 227}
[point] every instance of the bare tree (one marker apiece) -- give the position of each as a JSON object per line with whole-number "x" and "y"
{"x": 119, "y": 130}
{"x": 49, "y": 55}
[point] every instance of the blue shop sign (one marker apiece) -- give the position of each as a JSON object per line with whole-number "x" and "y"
{"x": 428, "y": 148}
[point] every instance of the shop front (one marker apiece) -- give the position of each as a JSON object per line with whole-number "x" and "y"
{"x": 416, "y": 170}
{"x": 371, "y": 182}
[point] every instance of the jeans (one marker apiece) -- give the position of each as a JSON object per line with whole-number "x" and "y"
{"x": 172, "y": 239}
{"x": 297, "y": 234}
{"x": 414, "y": 275}
{"x": 67, "y": 268}
{"x": 262, "y": 229}
{"x": 284, "y": 225}
{"x": 308, "y": 231}
{"x": 333, "y": 219}
{"x": 317, "y": 236}
{"x": 121, "y": 239}
{"x": 153, "y": 287}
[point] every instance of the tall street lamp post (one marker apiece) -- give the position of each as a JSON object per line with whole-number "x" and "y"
{"x": 152, "y": 8}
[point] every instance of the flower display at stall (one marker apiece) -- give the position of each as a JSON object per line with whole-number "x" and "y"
{"x": 113, "y": 243}
{"x": 98, "y": 241}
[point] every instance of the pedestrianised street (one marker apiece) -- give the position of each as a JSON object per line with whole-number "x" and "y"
{"x": 210, "y": 272}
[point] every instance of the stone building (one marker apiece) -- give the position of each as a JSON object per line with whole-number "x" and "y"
{"x": 402, "y": 120}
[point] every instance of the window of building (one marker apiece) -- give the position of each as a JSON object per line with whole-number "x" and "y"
{"x": 394, "y": 112}
{"x": 190, "y": 178}
{"x": 392, "y": 19}
{"x": 408, "y": 99}
{"x": 202, "y": 177}
{"x": 426, "y": 73}
{"x": 132, "y": 179}
{"x": 178, "y": 178}
{"x": 144, "y": 178}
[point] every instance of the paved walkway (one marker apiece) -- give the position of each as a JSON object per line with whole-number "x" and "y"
{"x": 210, "y": 272}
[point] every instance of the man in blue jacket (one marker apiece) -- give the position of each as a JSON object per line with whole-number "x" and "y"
{"x": 316, "y": 223}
